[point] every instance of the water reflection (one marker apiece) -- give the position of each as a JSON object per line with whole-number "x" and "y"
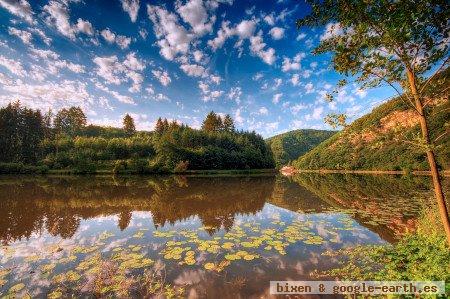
{"x": 217, "y": 236}
{"x": 58, "y": 204}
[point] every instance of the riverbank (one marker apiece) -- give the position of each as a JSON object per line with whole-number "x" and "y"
{"x": 291, "y": 171}
{"x": 21, "y": 169}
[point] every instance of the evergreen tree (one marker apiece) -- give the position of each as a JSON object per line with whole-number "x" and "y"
{"x": 228, "y": 124}
{"x": 128, "y": 124}
{"x": 159, "y": 127}
{"x": 212, "y": 122}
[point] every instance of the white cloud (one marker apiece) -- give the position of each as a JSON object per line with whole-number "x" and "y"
{"x": 309, "y": 87}
{"x": 295, "y": 80}
{"x": 277, "y": 33}
{"x": 85, "y": 27}
{"x": 23, "y": 35}
{"x": 361, "y": 93}
{"x": 238, "y": 116}
{"x": 13, "y": 66}
{"x": 193, "y": 70}
{"x": 42, "y": 35}
{"x": 131, "y": 7}
{"x": 293, "y": 64}
{"x": 116, "y": 72}
{"x": 257, "y": 76}
{"x": 195, "y": 14}
{"x": 162, "y": 76}
{"x": 172, "y": 37}
{"x": 208, "y": 95}
{"x": 57, "y": 15}
{"x": 198, "y": 55}
{"x": 49, "y": 95}
{"x": 278, "y": 82}
{"x": 121, "y": 98}
{"x": 244, "y": 30}
{"x": 20, "y": 8}
{"x": 269, "y": 19}
{"x": 300, "y": 36}
{"x": 235, "y": 94}
{"x": 317, "y": 112}
{"x": 296, "y": 108}
{"x": 257, "y": 46}
{"x": 276, "y": 98}
{"x": 263, "y": 111}
{"x": 122, "y": 41}
{"x": 332, "y": 30}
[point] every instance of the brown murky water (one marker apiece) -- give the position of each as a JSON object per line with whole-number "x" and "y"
{"x": 216, "y": 237}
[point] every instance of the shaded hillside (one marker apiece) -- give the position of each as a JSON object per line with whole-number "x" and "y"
{"x": 289, "y": 146}
{"x": 385, "y": 139}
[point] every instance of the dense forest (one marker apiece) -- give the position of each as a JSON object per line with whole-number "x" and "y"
{"x": 387, "y": 138}
{"x": 34, "y": 142}
{"x": 289, "y": 146}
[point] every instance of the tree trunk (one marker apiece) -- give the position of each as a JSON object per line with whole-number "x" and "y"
{"x": 431, "y": 158}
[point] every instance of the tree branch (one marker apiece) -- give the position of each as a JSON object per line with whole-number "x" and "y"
{"x": 434, "y": 75}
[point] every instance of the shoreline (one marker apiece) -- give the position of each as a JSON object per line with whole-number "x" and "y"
{"x": 445, "y": 173}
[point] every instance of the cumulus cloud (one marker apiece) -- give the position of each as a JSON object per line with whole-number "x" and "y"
{"x": 193, "y": 70}
{"x": 294, "y": 64}
{"x": 13, "y": 66}
{"x": 121, "y": 98}
{"x": 276, "y": 98}
{"x": 263, "y": 111}
{"x": 208, "y": 95}
{"x": 235, "y": 94}
{"x": 244, "y": 30}
{"x": 122, "y": 41}
{"x": 162, "y": 76}
{"x": 23, "y": 35}
{"x": 257, "y": 47}
{"x": 277, "y": 33}
{"x": 20, "y": 8}
{"x": 172, "y": 37}
{"x": 297, "y": 107}
{"x": 131, "y": 7}
{"x": 295, "y": 80}
{"x": 195, "y": 14}
{"x": 49, "y": 95}
{"x": 309, "y": 88}
{"x": 116, "y": 72}
{"x": 58, "y": 15}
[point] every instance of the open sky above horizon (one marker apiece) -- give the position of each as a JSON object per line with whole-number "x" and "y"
{"x": 174, "y": 59}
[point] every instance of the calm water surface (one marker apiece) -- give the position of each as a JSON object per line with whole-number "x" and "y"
{"x": 216, "y": 237}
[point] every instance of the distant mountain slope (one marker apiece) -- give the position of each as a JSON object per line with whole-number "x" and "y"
{"x": 291, "y": 145}
{"x": 376, "y": 141}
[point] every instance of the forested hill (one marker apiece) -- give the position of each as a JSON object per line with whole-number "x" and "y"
{"x": 33, "y": 142}
{"x": 386, "y": 139}
{"x": 289, "y": 146}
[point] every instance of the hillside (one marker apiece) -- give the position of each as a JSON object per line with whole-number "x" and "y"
{"x": 385, "y": 139}
{"x": 289, "y": 146}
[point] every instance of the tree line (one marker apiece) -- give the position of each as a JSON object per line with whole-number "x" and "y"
{"x": 35, "y": 142}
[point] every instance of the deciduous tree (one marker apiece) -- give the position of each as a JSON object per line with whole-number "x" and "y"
{"x": 393, "y": 42}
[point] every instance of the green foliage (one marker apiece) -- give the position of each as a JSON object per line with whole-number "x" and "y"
{"x": 422, "y": 255}
{"x": 21, "y": 130}
{"x": 366, "y": 144}
{"x": 19, "y": 168}
{"x": 71, "y": 146}
{"x": 128, "y": 124}
{"x": 289, "y": 146}
{"x": 70, "y": 121}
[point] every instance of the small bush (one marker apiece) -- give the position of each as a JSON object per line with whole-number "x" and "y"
{"x": 182, "y": 166}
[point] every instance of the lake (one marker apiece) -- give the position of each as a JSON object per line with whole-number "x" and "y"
{"x": 198, "y": 236}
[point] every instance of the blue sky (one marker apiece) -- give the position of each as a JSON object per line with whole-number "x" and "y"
{"x": 175, "y": 59}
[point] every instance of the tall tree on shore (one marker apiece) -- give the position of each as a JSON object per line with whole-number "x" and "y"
{"x": 21, "y": 133}
{"x": 212, "y": 122}
{"x": 390, "y": 42}
{"x": 228, "y": 123}
{"x": 70, "y": 121}
{"x": 128, "y": 124}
